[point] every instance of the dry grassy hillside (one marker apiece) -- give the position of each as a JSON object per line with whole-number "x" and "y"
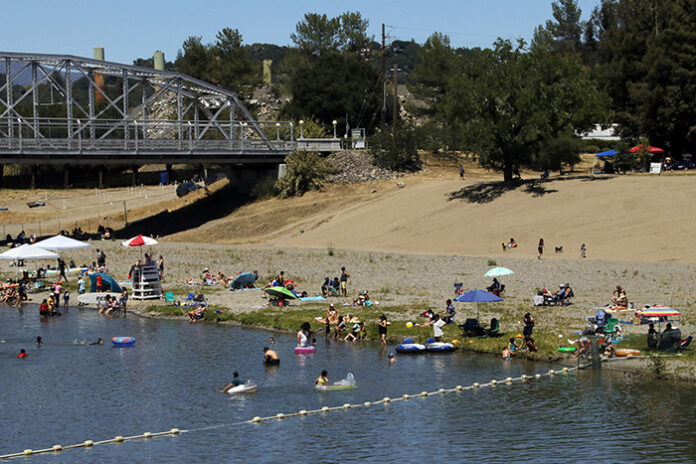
{"x": 636, "y": 218}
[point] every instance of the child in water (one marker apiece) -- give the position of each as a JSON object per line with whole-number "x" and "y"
{"x": 322, "y": 379}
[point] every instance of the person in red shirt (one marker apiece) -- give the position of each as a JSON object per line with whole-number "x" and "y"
{"x": 22, "y": 354}
{"x": 43, "y": 308}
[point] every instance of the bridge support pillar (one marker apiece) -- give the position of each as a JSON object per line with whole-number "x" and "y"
{"x": 34, "y": 169}
{"x": 134, "y": 176}
{"x": 66, "y": 177}
{"x": 101, "y": 177}
{"x": 168, "y": 168}
{"x": 2, "y": 175}
{"x": 203, "y": 172}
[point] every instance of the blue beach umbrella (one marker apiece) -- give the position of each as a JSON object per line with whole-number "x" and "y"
{"x": 478, "y": 296}
{"x": 607, "y": 153}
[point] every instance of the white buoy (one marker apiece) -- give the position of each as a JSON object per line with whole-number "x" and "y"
{"x": 118, "y": 439}
{"x": 537, "y": 376}
{"x": 28, "y": 452}
{"x": 552, "y": 372}
{"x": 88, "y": 443}
{"x": 459, "y": 388}
{"x": 476, "y": 385}
{"x": 302, "y": 412}
{"x": 367, "y": 403}
{"x": 256, "y": 419}
{"x": 386, "y": 399}
{"x": 325, "y": 409}
{"x": 174, "y": 431}
{"x": 280, "y": 415}
{"x": 405, "y": 396}
{"x": 494, "y": 382}
{"x": 508, "y": 380}
{"x": 147, "y": 435}
{"x": 424, "y": 394}
{"x": 57, "y": 448}
{"x": 346, "y": 406}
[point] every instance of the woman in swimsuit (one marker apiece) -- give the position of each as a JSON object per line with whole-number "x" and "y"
{"x": 382, "y": 327}
{"x": 302, "y": 334}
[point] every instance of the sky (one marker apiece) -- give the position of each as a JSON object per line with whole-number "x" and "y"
{"x": 129, "y": 29}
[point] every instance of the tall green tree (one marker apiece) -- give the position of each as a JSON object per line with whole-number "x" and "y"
{"x": 328, "y": 76}
{"x": 518, "y": 108}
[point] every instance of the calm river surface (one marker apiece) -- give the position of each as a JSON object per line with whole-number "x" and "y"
{"x": 66, "y": 392}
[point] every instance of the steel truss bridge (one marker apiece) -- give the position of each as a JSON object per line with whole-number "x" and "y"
{"x": 64, "y": 109}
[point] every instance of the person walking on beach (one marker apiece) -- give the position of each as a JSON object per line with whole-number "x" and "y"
{"x": 583, "y": 250}
{"x": 461, "y": 172}
{"x": 541, "y": 248}
{"x": 344, "y": 281}
{"x": 61, "y": 268}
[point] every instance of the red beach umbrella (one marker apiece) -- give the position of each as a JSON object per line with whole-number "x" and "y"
{"x": 649, "y": 148}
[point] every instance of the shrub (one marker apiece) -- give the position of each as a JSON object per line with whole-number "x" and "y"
{"x": 265, "y": 188}
{"x": 398, "y": 153}
{"x": 306, "y": 171}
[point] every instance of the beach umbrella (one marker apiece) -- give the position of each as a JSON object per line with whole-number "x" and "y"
{"x": 607, "y": 153}
{"x": 139, "y": 241}
{"x": 498, "y": 272}
{"x": 28, "y": 252}
{"x": 478, "y": 296}
{"x": 650, "y": 148}
{"x": 280, "y": 292}
{"x": 61, "y": 242}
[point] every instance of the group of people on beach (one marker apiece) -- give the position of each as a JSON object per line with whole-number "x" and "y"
{"x": 512, "y": 243}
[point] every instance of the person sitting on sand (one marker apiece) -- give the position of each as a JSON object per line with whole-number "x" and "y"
{"x": 197, "y": 313}
{"x": 270, "y": 357}
{"x": 332, "y": 315}
{"x": 513, "y": 346}
{"x": 529, "y": 344}
{"x": 325, "y": 287}
{"x": 221, "y": 278}
{"x": 494, "y": 286}
{"x": 340, "y": 326}
{"x": 512, "y": 243}
{"x": 620, "y": 299}
{"x": 113, "y": 305}
{"x": 358, "y": 332}
{"x": 323, "y": 379}
{"x": 560, "y": 296}
{"x": 335, "y": 285}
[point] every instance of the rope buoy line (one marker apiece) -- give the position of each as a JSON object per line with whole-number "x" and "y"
{"x": 282, "y": 416}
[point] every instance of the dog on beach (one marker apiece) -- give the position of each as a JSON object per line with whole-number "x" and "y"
{"x": 559, "y": 249}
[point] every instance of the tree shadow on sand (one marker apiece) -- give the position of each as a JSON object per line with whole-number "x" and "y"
{"x": 485, "y": 192}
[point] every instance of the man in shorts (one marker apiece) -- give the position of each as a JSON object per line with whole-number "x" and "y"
{"x": 344, "y": 281}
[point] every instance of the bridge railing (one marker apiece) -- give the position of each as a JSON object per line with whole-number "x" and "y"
{"x": 84, "y": 135}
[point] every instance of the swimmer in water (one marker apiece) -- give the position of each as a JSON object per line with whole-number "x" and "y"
{"x": 38, "y": 342}
{"x": 236, "y": 381}
{"x": 98, "y": 342}
{"x": 22, "y": 354}
{"x": 392, "y": 359}
{"x": 271, "y": 341}
{"x": 270, "y": 357}
{"x": 322, "y": 379}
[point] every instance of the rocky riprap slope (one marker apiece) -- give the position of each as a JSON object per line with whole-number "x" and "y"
{"x": 357, "y": 166}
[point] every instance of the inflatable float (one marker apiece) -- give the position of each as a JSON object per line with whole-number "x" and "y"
{"x": 123, "y": 341}
{"x": 241, "y": 389}
{"x": 346, "y": 384}
{"x": 566, "y": 349}
{"x": 438, "y": 347}
{"x": 407, "y": 346}
{"x": 625, "y": 352}
{"x": 305, "y": 349}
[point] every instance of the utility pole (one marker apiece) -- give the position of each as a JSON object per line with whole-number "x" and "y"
{"x": 384, "y": 81}
{"x": 396, "y": 94}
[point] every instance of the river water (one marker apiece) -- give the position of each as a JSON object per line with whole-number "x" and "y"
{"x": 68, "y": 391}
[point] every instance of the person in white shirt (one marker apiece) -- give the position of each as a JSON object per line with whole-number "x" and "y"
{"x": 437, "y": 327}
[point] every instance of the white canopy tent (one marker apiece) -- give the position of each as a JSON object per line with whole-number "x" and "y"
{"x": 28, "y": 252}
{"x": 61, "y": 242}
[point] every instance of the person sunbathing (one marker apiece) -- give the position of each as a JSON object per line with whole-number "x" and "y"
{"x": 221, "y": 278}
{"x": 620, "y": 299}
{"x": 196, "y": 313}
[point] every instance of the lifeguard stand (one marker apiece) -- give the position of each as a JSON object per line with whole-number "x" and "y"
{"x": 146, "y": 283}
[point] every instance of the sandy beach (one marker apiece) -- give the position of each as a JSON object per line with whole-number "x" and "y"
{"x": 412, "y": 282}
